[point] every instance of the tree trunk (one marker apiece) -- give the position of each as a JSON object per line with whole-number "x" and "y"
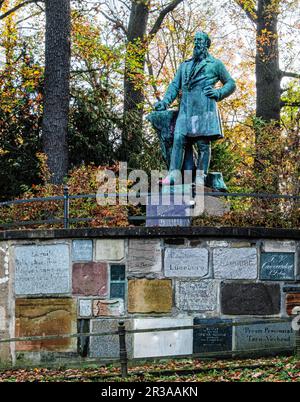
{"x": 268, "y": 96}
{"x": 56, "y": 87}
{"x": 268, "y": 76}
{"x": 133, "y": 80}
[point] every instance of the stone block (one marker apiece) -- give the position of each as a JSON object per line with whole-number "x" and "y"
{"x": 196, "y": 295}
{"x": 144, "y": 256}
{"x": 149, "y": 296}
{"x": 292, "y": 301}
{"x": 85, "y": 308}
{"x": 110, "y": 249}
{"x": 290, "y": 288}
{"x": 42, "y": 317}
{"x": 235, "y": 263}
{"x": 264, "y": 337}
{"x": 218, "y": 244}
{"x": 4, "y": 263}
{"x": 277, "y": 266}
{"x": 163, "y": 343}
{"x": 82, "y": 250}
{"x": 109, "y": 308}
{"x": 117, "y": 290}
{"x": 90, "y": 279}
{"x": 250, "y": 299}
{"x": 279, "y": 246}
{"x": 186, "y": 262}
{"x": 240, "y": 244}
{"x": 107, "y": 346}
{"x": 42, "y": 269}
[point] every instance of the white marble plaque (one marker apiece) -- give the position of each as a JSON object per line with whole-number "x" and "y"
{"x": 196, "y": 295}
{"x": 43, "y": 269}
{"x": 235, "y": 263}
{"x": 167, "y": 343}
{"x": 110, "y": 250}
{"x": 85, "y": 308}
{"x": 186, "y": 262}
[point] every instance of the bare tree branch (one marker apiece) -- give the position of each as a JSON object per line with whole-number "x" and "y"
{"x": 118, "y": 23}
{"x": 164, "y": 12}
{"x": 16, "y": 8}
{"x": 250, "y": 12}
{"x": 289, "y": 74}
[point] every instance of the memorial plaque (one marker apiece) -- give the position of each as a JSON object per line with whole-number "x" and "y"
{"x": 196, "y": 295}
{"x": 82, "y": 250}
{"x": 167, "y": 343}
{"x": 291, "y": 288}
{"x": 279, "y": 246}
{"x": 110, "y": 250}
{"x": 235, "y": 263}
{"x": 43, "y": 269}
{"x": 264, "y": 337}
{"x": 149, "y": 296}
{"x": 292, "y": 301}
{"x": 144, "y": 256}
{"x": 113, "y": 308}
{"x": 117, "y": 272}
{"x": 162, "y": 211}
{"x": 42, "y": 317}
{"x": 212, "y": 338}
{"x": 117, "y": 290}
{"x": 85, "y": 308}
{"x": 90, "y": 279}
{"x": 250, "y": 299}
{"x": 107, "y": 346}
{"x": 277, "y": 266}
{"x": 186, "y": 262}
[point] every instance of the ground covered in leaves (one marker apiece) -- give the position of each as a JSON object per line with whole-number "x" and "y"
{"x": 255, "y": 370}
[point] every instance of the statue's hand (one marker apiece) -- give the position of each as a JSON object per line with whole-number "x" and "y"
{"x": 160, "y": 106}
{"x": 212, "y": 93}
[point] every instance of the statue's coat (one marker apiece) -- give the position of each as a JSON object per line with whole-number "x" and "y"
{"x": 198, "y": 114}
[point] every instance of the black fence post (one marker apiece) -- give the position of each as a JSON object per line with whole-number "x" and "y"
{"x": 123, "y": 351}
{"x": 298, "y": 344}
{"x": 66, "y": 207}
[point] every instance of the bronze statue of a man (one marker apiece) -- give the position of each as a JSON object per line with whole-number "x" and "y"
{"x": 198, "y": 119}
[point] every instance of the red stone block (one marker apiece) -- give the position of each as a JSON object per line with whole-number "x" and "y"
{"x": 90, "y": 279}
{"x": 292, "y": 300}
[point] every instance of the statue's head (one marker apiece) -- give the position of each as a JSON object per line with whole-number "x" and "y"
{"x": 202, "y": 43}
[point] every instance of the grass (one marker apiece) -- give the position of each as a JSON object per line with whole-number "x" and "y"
{"x": 279, "y": 369}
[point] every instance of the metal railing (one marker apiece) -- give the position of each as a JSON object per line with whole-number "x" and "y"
{"x": 66, "y": 198}
{"x": 122, "y": 333}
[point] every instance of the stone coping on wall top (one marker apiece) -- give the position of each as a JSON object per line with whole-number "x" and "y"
{"x": 154, "y": 232}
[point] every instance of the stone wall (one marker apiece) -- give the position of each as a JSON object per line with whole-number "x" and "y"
{"x": 88, "y": 280}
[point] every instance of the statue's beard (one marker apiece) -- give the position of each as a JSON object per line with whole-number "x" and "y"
{"x": 200, "y": 53}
